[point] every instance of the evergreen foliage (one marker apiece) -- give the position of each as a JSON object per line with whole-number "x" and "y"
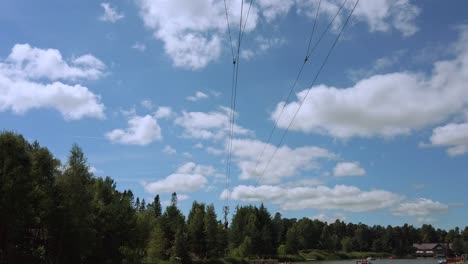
{"x": 64, "y": 214}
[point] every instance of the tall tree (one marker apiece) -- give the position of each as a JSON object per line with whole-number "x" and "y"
{"x": 76, "y": 239}
{"x": 179, "y": 250}
{"x": 210, "y": 227}
{"x": 16, "y": 194}
{"x": 196, "y": 230}
{"x": 157, "y": 206}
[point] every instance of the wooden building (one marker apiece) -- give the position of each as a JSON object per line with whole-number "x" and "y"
{"x": 435, "y": 250}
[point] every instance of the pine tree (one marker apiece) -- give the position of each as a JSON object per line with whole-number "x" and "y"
{"x": 211, "y": 233}
{"x": 157, "y": 206}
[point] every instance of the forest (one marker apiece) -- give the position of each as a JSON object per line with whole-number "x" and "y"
{"x": 61, "y": 213}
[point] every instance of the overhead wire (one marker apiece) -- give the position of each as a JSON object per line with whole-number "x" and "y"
{"x": 234, "y": 84}
{"x": 308, "y": 91}
{"x": 309, "y": 52}
{"x": 229, "y": 28}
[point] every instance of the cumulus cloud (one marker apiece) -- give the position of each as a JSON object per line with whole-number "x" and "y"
{"x": 169, "y": 150}
{"x": 189, "y": 177}
{"x": 29, "y": 80}
{"x": 271, "y": 9}
{"x": 198, "y": 96}
{"x": 329, "y": 218}
{"x": 147, "y": 104}
{"x": 421, "y": 208}
{"x": 213, "y": 125}
{"x": 384, "y": 105}
{"x": 348, "y": 169}
{"x": 26, "y": 62}
{"x": 191, "y": 31}
{"x": 141, "y": 130}
{"x": 340, "y": 197}
{"x": 110, "y": 13}
{"x": 287, "y": 162}
{"x": 380, "y": 15}
{"x": 163, "y": 112}
{"x": 454, "y": 136}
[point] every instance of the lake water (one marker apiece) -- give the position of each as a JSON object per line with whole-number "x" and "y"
{"x": 379, "y": 261}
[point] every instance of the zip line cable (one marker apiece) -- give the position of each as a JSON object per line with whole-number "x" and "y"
{"x": 306, "y": 59}
{"x": 308, "y": 91}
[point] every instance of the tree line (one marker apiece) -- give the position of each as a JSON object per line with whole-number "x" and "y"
{"x": 61, "y": 213}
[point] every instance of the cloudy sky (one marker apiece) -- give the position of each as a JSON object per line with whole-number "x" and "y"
{"x": 144, "y": 87}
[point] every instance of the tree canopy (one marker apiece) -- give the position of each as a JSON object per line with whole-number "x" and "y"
{"x": 54, "y": 213}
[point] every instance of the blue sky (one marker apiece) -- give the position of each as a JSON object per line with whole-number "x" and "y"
{"x": 144, "y": 87}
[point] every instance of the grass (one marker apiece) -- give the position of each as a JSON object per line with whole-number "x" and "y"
{"x": 317, "y": 254}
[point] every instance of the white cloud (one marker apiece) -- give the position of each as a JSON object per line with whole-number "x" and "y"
{"x": 187, "y": 155}
{"x": 380, "y": 15}
{"x": 142, "y": 130}
{"x": 182, "y": 197}
{"x": 214, "y": 151}
{"x": 274, "y": 8}
{"x": 247, "y": 54}
{"x": 73, "y": 102}
{"x": 340, "y": 197}
{"x": 287, "y": 162}
{"x": 303, "y": 183}
{"x": 384, "y": 105}
{"x": 110, "y": 14}
{"x": 421, "y": 208}
{"x": 329, "y": 218}
{"x": 163, "y": 112}
{"x": 147, "y": 104}
{"x": 426, "y": 220}
{"x": 199, "y": 145}
{"x": 454, "y": 136}
{"x": 26, "y": 62}
{"x": 262, "y": 45}
{"x": 192, "y": 31}
{"x": 169, "y": 150}
{"x": 213, "y": 125}
{"x": 177, "y": 183}
{"x": 348, "y": 169}
{"x": 139, "y": 46}
{"x": 23, "y": 83}
{"x": 193, "y": 168}
{"x": 95, "y": 171}
{"x": 189, "y": 177}
{"x": 198, "y": 96}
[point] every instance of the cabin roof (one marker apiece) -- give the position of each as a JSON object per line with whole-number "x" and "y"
{"x": 425, "y": 246}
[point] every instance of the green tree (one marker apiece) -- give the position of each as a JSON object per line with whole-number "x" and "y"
{"x": 171, "y": 221}
{"x": 292, "y": 240}
{"x": 77, "y": 235}
{"x": 196, "y": 230}
{"x": 245, "y": 249}
{"x": 156, "y": 245}
{"x": 179, "y": 250}
{"x": 347, "y": 244}
{"x": 325, "y": 239}
{"x": 157, "y": 207}
{"x": 210, "y": 228}
{"x": 16, "y": 194}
